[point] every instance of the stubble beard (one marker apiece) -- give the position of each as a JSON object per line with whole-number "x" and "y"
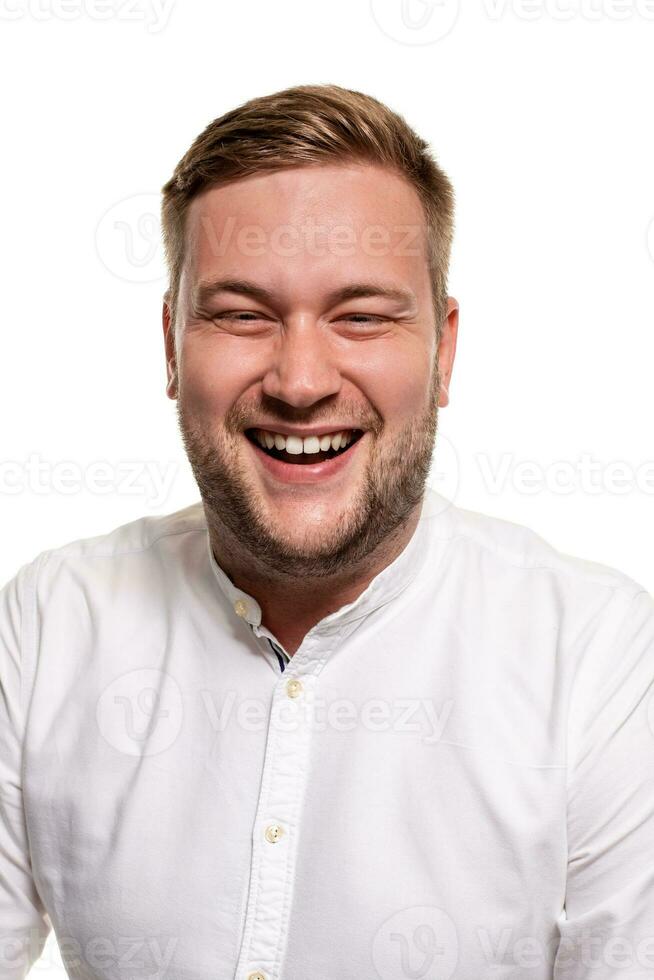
{"x": 393, "y": 484}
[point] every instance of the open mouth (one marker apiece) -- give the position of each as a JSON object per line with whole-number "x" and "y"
{"x": 293, "y": 449}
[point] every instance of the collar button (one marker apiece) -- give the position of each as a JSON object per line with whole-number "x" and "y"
{"x": 241, "y": 608}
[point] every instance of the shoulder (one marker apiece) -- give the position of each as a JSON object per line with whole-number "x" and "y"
{"x": 517, "y": 553}
{"x": 145, "y": 541}
{"x": 136, "y": 536}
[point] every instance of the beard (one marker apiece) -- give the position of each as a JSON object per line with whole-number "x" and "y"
{"x": 393, "y": 484}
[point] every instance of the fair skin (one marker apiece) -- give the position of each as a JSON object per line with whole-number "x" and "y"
{"x": 295, "y": 358}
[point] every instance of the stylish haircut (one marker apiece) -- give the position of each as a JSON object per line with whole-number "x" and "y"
{"x": 302, "y": 126}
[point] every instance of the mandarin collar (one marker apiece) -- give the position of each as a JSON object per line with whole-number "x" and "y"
{"x": 385, "y": 586}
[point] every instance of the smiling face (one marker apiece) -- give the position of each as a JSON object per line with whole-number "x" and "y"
{"x": 305, "y": 310}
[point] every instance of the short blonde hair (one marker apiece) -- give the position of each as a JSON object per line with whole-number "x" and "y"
{"x": 310, "y": 125}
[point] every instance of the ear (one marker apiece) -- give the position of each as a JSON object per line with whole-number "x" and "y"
{"x": 169, "y": 347}
{"x": 447, "y": 349}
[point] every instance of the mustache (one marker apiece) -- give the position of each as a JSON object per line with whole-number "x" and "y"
{"x": 343, "y": 415}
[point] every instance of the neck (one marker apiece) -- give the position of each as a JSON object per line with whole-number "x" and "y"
{"x": 291, "y": 606}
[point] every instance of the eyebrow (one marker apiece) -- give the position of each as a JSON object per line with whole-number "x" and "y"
{"x": 357, "y": 290}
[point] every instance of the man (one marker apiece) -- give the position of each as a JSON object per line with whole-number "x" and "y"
{"x": 323, "y": 722}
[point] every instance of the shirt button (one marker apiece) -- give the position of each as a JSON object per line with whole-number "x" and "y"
{"x": 294, "y": 688}
{"x": 273, "y": 833}
{"x": 241, "y": 608}
{"x": 256, "y": 976}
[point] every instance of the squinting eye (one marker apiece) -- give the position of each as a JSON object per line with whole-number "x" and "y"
{"x": 363, "y": 318}
{"x": 247, "y": 316}
{"x": 236, "y": 315}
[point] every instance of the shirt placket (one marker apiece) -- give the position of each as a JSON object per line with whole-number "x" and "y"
{"x": 276, "y": 826}
{"x": 281, "y": 656}
{"x": 270, "y": 645}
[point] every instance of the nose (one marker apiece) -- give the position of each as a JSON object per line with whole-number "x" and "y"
{"x": 303, "y": 368}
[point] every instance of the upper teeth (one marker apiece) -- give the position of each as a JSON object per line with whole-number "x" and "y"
{"x": 296, "y": 445}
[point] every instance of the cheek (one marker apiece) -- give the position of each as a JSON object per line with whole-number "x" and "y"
{"x": 213, "y": 375}
{"x": 397, "y": 383}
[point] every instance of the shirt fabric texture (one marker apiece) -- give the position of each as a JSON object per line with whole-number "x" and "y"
{"x": 451, "y": 779}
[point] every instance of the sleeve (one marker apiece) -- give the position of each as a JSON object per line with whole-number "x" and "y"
{"x": 608, "y": 925}
{"x": 24, "y": 923}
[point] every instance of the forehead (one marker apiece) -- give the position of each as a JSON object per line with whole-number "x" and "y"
{"x": 308, "y": 225}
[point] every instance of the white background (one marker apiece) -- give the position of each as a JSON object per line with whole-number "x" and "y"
{"x": 540, "y": 112}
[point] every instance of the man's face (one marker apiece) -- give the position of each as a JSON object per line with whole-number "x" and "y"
{"x": 280, "y": 355}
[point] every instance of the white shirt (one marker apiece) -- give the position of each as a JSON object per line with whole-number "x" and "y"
{"x": 452, "y": 778}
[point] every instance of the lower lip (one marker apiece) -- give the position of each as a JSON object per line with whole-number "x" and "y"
{"x": 306, "y": 472}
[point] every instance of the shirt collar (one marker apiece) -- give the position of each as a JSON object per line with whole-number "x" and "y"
{"x": 385, "y": 586}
